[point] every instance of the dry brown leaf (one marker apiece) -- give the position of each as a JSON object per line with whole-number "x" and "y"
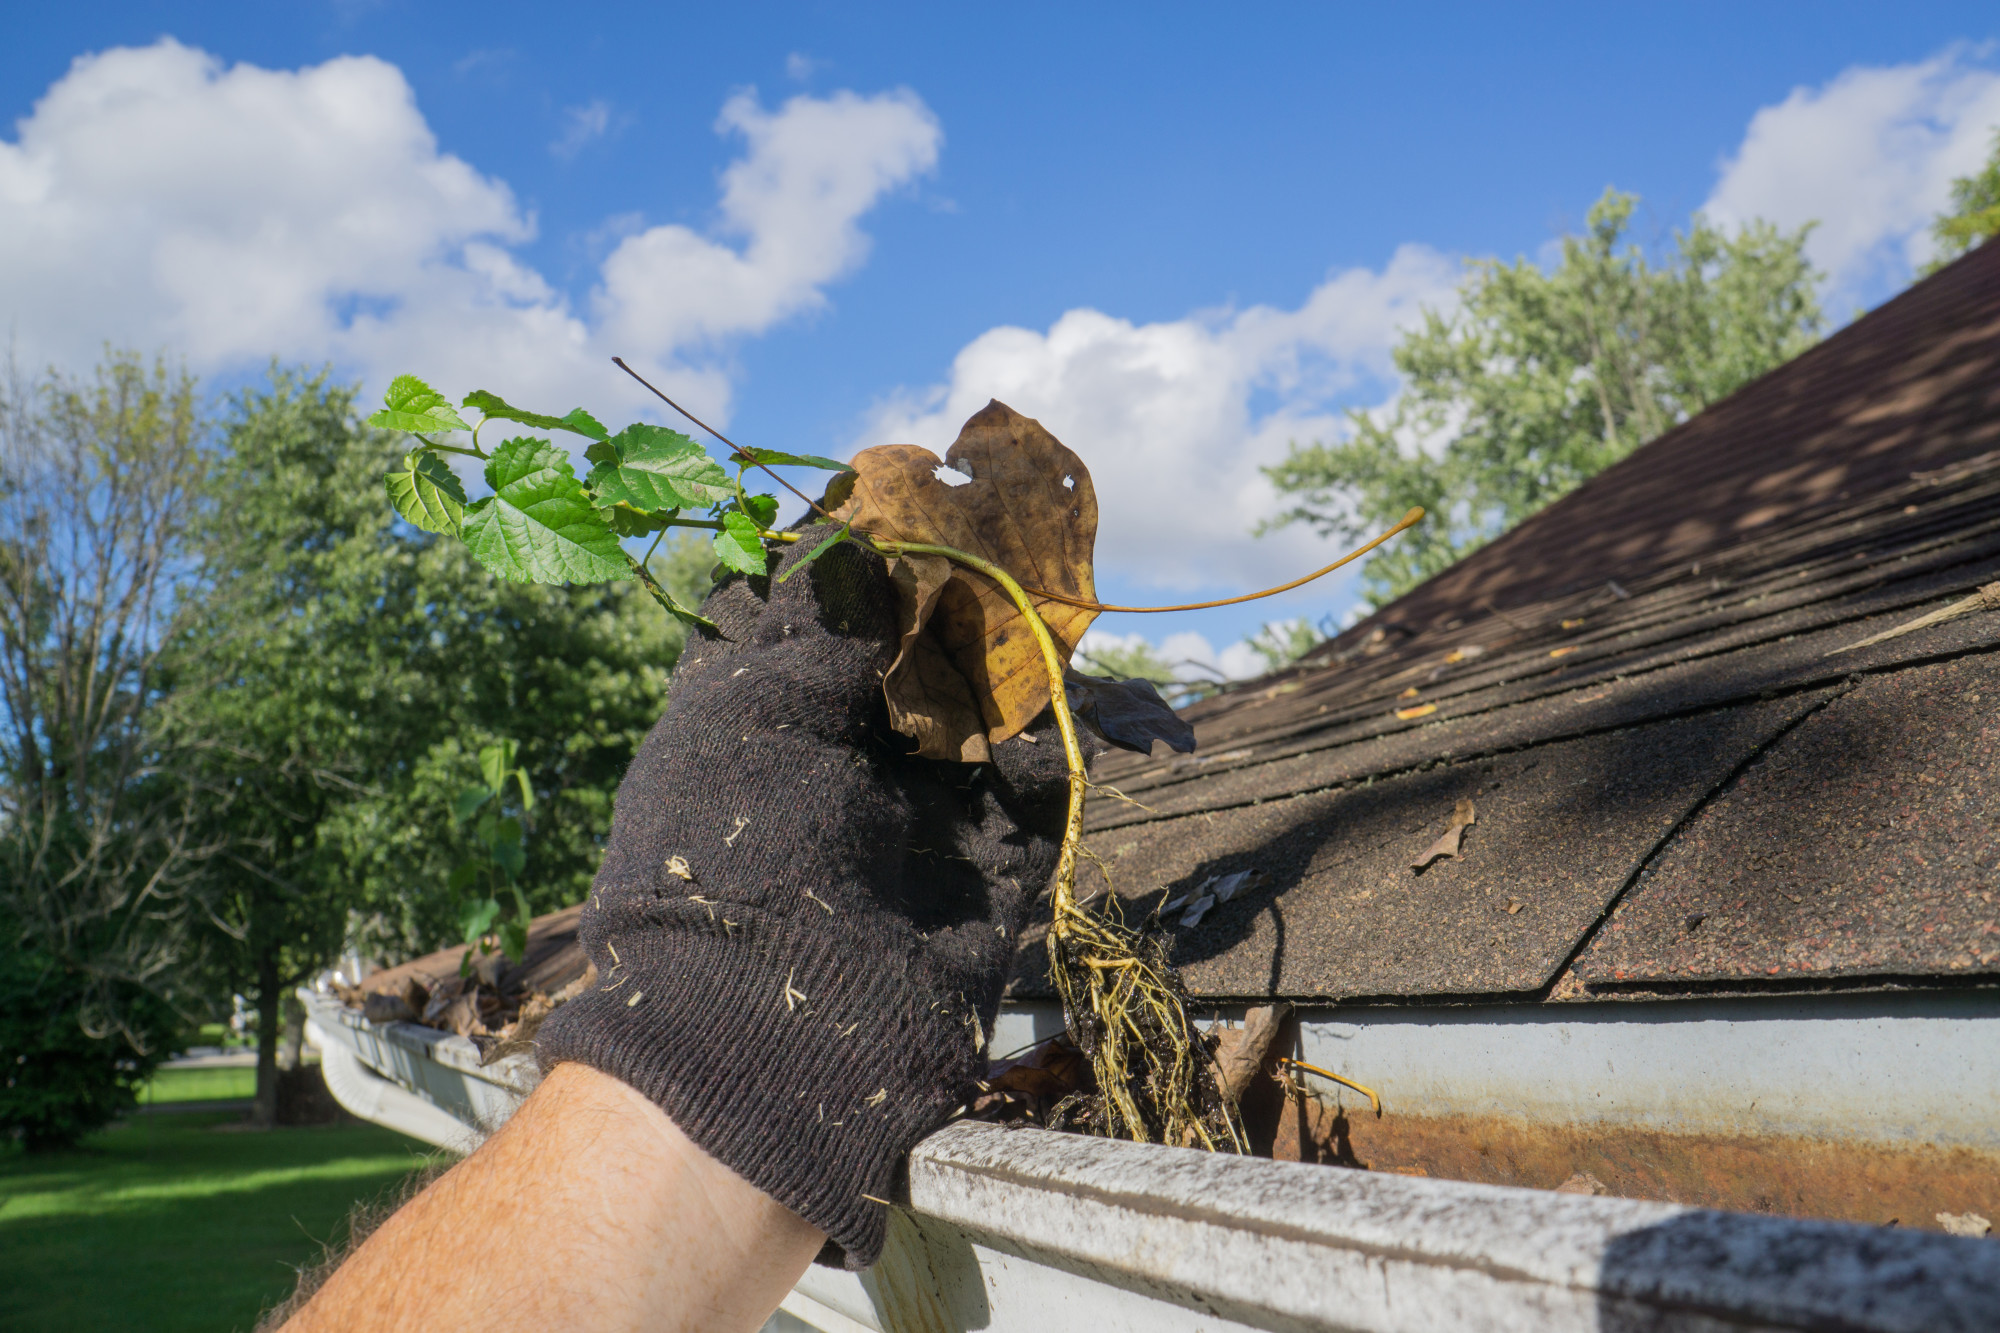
{"x": 1463, "y": 817}
{"x": 1029, "y": 508}
{"x": 929, "y": 698}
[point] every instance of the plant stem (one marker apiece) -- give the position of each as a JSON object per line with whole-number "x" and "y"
{"x": 1063, "y": 897}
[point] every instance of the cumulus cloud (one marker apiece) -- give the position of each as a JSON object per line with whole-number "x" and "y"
{"x": 158, "y": 198}
{"x": 1869, "y": 156}
{"x": 1190, "y": 654}
{"x": 1175, "y": 418}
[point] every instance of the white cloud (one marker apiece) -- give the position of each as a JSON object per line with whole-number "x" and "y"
{"x": 1188, "y": 652}
{"x": 1869, "y": 156}
{"x": 814, "y": 168}
{"x": 582, "y": 124}
{"x": 800, "y": 67}
{"x": 1173, "y": 419}
{"x": 156, "y": 198}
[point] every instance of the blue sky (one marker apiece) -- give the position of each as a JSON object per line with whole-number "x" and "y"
{"x": 1178, "y": 235}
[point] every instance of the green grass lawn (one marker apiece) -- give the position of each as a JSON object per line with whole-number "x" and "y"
{"x": 166, "y": 1222}
{"x": 199, "y": 1085}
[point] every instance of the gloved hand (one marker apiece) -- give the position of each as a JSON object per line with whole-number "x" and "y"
{"x": 801, "y": 931}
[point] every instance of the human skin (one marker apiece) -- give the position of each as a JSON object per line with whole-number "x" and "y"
{"x": 588, "y": 1209}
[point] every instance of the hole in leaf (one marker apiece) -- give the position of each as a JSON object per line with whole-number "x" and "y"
{"x": 1069, "y": 483}
{"x": 951, "y": 476}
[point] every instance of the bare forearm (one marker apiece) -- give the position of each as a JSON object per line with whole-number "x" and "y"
{"x": 589, "y": 1209}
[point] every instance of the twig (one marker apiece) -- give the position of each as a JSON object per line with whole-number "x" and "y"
{"x": 1986, "y": 599}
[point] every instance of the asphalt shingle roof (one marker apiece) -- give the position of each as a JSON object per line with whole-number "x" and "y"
{"x": 1650, "y": 692}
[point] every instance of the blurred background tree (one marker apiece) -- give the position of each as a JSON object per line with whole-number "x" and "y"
{"x": 1540, "y": 379}
{"x": 238, "y": 698}
{"x": 1975, "y": 212}
{"x": 103, "y": 887}
{"x": 351, "y": 668}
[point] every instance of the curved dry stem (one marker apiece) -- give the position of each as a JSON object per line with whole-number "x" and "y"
{"x": 1120, "y": 999}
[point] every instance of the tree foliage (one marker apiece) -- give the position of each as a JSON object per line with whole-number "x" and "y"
{"x": 1975, "y": 211}
{"x": 352, "y": 668}
{"x": 1540, "y": 379}
{"x": 101, "y": 860}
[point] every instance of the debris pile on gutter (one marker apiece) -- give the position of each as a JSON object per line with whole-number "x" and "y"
{"x": 496, "y": 1004}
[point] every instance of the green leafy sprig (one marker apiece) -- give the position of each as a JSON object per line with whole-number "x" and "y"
{"x": 497, "y": 866}
{"x": 544, "y": 524}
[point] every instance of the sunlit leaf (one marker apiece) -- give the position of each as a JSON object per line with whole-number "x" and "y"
{"x": 427, "y": 492}
{"x": 539, "y": 526}
{"x": 652, "y": 468}
{"x": 577, "y": 421}
{"x": 416, "y": 407}
{"x": 777, "y": 458}
{"x": 738, "y": 546}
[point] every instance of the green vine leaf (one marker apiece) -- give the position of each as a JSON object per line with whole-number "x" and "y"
{"x": 738, "y": 546}
{"x": 762, "y": 509}
{"x": 468, "y": 803}
{"x": 495, "y": 761}
{"x": 514, "y": 933}
{"x": 427, "y": 492}
{"x": 629, "y": 522}
{"x": 475, "y": 918}
{"x": 841, "y": 535}
{"x": 578, "y": 421}
{"x": 416, "y": 407}
{"x": 652, "y": 468}
{"x": 778, "y": 458}
{"x": 539, "y": 526}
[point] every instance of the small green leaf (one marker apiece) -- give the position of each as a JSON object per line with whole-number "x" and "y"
{"x": 527, "y": 791}
{"x": 762, "y": 509}
{"x": 846, "y": 531}
{"x": 738, "y": 546}
{"x": 416, "y": 407}
{"x": 578, "y": 420}
{"x": 476, "y": 918}
{"x": 539, "y": 526}
{"x": 514, "y": 939}
{"x": 503, "y": 843}
{"x": 629, "y": 522}
{"x": 777, "y": 458}
{"x": 427, "y": 492}
{"x": 652, "y": 468}
{"x": 465, "y": 876}
{"x": 469, "y": 802}
{"x": 495, "y": 760}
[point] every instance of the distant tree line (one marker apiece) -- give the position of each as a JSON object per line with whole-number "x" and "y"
{"x": 237, "y": 700}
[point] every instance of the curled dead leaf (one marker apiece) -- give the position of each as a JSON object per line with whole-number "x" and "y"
{"x": 1463, "y": 817}
{"x": 1028, "y": 506}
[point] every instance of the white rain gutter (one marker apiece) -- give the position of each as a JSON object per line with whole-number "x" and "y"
{"x": 1023, "y": 1230}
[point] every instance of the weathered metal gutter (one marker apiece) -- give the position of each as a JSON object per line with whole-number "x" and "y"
{"x": 1021, "y": 1229}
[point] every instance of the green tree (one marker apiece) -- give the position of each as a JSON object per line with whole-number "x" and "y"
{"x": 1975, "y": 211}
{"x": 1540, "y": 379}
{"x": 102, "y": 867}
{"x": 356, "y": 667}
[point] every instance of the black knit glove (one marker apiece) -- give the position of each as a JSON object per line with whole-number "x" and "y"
{"x": 801, "y": 931}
